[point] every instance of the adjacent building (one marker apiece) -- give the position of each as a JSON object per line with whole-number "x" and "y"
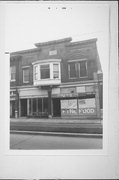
{"x": 58, "y": 78}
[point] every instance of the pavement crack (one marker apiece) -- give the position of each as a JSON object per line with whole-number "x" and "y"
{"x": 21, "y": 142}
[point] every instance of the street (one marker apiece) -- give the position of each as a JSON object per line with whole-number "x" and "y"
{"x": 39, "y": 141}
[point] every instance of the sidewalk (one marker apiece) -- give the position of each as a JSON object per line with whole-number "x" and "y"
{"x": 56, "y": 125}
{"x": 57, "y": 120}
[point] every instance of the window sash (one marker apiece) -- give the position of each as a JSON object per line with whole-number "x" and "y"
{"x": 25, "y": 75}
{"x": 12, "y": 73}
{"x": 72, "y": 70}
{"x": 45, "y": 71}
{"x": 55, "y": 71}
{"x": 83, "y": 69}
{"x": 36, "y": 72}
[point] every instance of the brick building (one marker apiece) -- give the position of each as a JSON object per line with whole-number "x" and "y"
{"x": 58, "y": 78}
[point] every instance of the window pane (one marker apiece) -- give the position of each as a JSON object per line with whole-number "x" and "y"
{"x": 39, "y": 105}
{"x": 45, "y": 105}
{"x": 13, "y": 72}
{"x": 36, "y": 72}
{"x": 55, "y": 71}
{"x": 34, "y": 105}
{"x": 26, "y": 75}
{"x": 72, "y": 70}
{"x": 83, "y": 69}
{"x": 45, "y": 71}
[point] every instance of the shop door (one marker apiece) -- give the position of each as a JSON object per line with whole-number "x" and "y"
{"x": 56, "y": 108}
{"x": 23, "y": 107}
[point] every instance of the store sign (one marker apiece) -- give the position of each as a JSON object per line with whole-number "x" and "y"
{"x": 87, "y": 106}
{"x": 69, "y": 107}
{"x": 81, "y": 89}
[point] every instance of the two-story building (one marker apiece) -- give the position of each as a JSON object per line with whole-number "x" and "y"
{"x": 58, "y": 78}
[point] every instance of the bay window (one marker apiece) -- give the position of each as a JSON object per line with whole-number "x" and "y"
{"x": 46, "y": 72}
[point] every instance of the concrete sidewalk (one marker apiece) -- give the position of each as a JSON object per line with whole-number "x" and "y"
{"x": 56, "y": 125}
{"x": 57, "y": 120}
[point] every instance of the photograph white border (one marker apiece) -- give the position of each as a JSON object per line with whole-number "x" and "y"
{"x": 68, "y": 157}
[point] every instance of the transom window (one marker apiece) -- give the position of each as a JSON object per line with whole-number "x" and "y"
{"x": 45, "y": 71}
{"x": 12, "y": 73}
{"x": 26, "y": 75}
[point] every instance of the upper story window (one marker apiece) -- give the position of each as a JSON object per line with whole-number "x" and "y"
{"x": 55, "y": 71}
{"x": 82, "y": 69}
{"x": 45, "y": 71}
{"x": 25, "y": 75}
{"x": 35, "y": 72}
{"x": 77, "y": 69}
{"x": 72, "y": 70}
{"x": 13, "y": 73}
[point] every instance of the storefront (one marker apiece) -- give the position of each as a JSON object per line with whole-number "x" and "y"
{"x": 78, "y": 101}
{"x": 81, "y": 106}
{"x": 13, "y": 103}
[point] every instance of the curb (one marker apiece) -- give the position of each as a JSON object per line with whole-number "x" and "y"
{"x": 57, "y": 134}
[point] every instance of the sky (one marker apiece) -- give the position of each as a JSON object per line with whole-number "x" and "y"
{"x": 29, "y": 23}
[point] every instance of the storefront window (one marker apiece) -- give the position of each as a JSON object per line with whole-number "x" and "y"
{"x": 45, "y": 105}
{"x": 69, "y": 107}
{"x": 34, "y": 106}
{"x": 87, "y": 106}
{"x": 39, "y": 105}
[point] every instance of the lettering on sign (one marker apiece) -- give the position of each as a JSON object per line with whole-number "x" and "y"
{"x": 87, "y": 111}
{"x": 69, "y": 106}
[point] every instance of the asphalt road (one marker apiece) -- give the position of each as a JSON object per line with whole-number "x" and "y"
{"x": 56, "y": 126}
{"x": 32, "y": 142}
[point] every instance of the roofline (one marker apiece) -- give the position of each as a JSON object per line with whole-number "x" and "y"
{"x": 51, "y": 43}
{"x": 24, "y": 51}
{"x": 54, "y": 42}
{"x": 82, "y": 42}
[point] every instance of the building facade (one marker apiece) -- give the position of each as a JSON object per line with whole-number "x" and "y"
{"x": 58, "y": 78}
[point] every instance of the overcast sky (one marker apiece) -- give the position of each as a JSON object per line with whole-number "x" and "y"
{"x": 30, "y": 23}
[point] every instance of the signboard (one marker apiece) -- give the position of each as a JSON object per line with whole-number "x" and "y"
{"x": 87, "y": 106}
{"x": 81, "y": 89}
{"x": 69, "y": 107}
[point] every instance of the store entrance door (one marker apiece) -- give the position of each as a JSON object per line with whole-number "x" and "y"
{"x": 56, "y": 108}
{"x": 23, "y": 107}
